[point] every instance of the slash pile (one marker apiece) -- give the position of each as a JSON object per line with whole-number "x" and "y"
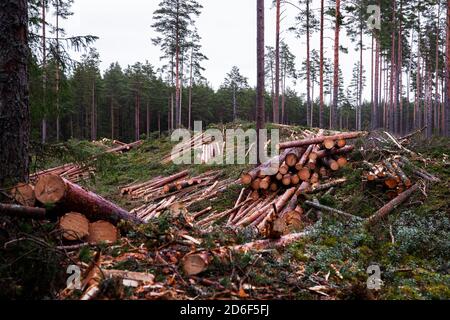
{"x": 71, "y": 171}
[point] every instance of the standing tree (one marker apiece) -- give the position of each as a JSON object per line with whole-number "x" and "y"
{"x": 174, "y": 18}
{"x": 14, "y": 108}
{"x": 288, "y": 71}
{"x": 447, "y": 75}
{"x": 334, "y": 107}
{"x": 235, "y": 82}
{"x": 259, "y": 72}
{"x": 276, "y": 103}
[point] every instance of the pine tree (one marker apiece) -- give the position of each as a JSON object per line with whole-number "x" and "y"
{"x": 14, "y": 107}
{"x": 174, "y": 22}
{"x": 235, "y": 82}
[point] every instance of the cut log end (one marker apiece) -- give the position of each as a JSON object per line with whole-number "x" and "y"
{"x": 102, "y": 231}
{"x": 74, "y": 226}
{"x": 50, "y": 189}
{"x": 194, "y": 264}
{"x": 329, "y": 144}
{"x": 246, "y": 179}
{"x": 24, "y": 194}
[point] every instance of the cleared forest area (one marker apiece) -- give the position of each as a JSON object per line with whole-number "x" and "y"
{"x": 198, "y": 240}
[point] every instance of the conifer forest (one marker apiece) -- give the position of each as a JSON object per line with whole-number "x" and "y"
{"x": 225, "y": 150}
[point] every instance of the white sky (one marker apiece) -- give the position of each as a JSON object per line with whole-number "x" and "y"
{"x": 227, "y": 28}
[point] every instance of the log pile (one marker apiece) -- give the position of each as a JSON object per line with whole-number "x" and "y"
{"x": 160, "y": 193}
{"x": 73, "y": 172}
{"x": 202, "y": 144}
{"x": 270, "y": 201}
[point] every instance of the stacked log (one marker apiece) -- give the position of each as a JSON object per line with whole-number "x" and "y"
{"x": 270, "y": 201}
{"x": 307, "y": 160}
{"x": 161, "y": 193}
{"x": 72, "y": 172}
{"x": 202, "y": 142}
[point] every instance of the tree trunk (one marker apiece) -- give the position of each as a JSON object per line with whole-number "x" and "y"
{"x": 177, "y": 72}
{"x": 148, "y": 120}
{"x": 276, "y": 106}
{"x": 44, "y": 73}
{"x": 14, "y": 100}
{"x": 54, "y": 190}
{"x": 400, "y": 72}
{"x": 112, "y": 118}
{"x": 322, "y": 13}
{"x": 93, "y": 117}
{"x": 58, "y": 129}
{"x": 334, "y": 107}
{"x": 374, "y": 116}
{"x": 358, "y": 117}
{"x": 190, "y": 94}
{"x": 308, "y": 69}
{"x": 447, "y": 75}
{"x": 260, "y": 74}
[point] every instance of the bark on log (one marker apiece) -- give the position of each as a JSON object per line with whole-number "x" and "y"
{"x": 13, "y": 210}
{"x": 52, "y": 189}
{"x": 318, "y": 140}
{"x": 334, "y": 152}
{"x": 293, "y": 156}
{"x": 391, "y": 206}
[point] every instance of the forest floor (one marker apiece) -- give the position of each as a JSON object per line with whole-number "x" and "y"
{"x": 411, "y": 245}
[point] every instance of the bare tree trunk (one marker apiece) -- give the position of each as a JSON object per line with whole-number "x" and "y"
{"x": 400, "y": 73}
{"x": 44, "y": 73}
{"x": 234, "y": 103}
{"x": 408, "y": 86}
{"x": 322, "y": 13}
{"x": 190, "y": 95}
{"x": 260, "y": 72}
{"x": 361, "y": 47}
{"x": 14, "y": 103}
{"x": 177, "y": 72}
{"x": 374, "y": 116}
{"x": 446, "y": 127}
{"x": 148, "y": 120}
{"x": 57, "y": 74}
{"x": 93, "y": 117}
{"x": 112, "y": 117}
{"x": 334, "y": 107}
{"x": 308, "y": 69}
{"x": 276, "y": 106}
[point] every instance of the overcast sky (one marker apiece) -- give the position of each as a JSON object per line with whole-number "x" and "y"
{"x": 227, "y": 28}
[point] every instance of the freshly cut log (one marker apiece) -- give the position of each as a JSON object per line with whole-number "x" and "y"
{"x": 329, "y": 185}
{"x": 334, "y": 152}
{"x": 284, "y": 168}
{"x": 74, "y": 226}
{"x": 341, "y": 143}
{"x": 315, "y": 178}
{"x": 279, "y": 176}
{"x": 328, "y": 144}
{"x": 305, "y": 157}
{"x": 202, "y": 213}
{"x": 198, "y": 262}
{"x": 295, "y": 180}
{"x": 304, "y": 174}
{"x": 126, "y": 147}
{"x": 286, "y": 181}
{"x": 321, "y": 139}
{"x": 13, "y": 210}
{"x": 23, "y": 193}
{"x": 331, "y": 210}
{"x": 265, "y": 183}
{"x": 52, "y": 189}
{"x": 256, "y": 184}
{"x": 102, "y": 232}
{"x": 330, "y": 163}
{"x": 392, "y": 205}
{"x": 146, "y": 278}
{"x": 294, "y": 156}
{"x": 274, "y": 187}
{"x": 342, "y": 162}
